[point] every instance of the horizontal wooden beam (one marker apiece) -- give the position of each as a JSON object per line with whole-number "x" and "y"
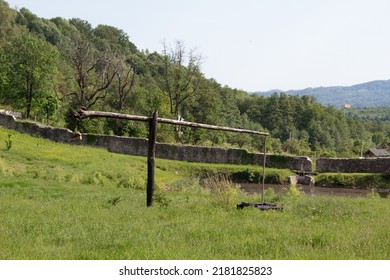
{"x": 209, "y": 126}
{"x": 99, "y": 114}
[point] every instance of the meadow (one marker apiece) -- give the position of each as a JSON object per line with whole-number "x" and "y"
{"x": 59, "y": 201}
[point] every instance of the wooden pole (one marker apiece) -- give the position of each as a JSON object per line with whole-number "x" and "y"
{"x": 209, "y": 126}
{"x": 264, "y": 161}
{"x": 151, "y": 157}
{"x": 99, "y": 114}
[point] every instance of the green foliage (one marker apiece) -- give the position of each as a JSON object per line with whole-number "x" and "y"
{"x": 223, "y": 190}
{"x": 102, "y": 70}
{"x": 367, "y": 180}
{"x": 8, "y": 142}
{"x": 355, "y": 95}
{"x": 132, "y": 182}
{"x": 160, "y": 197}
{"x": 49, "y": 106}
{"x": 372, "y": 114}
{"x": 252, "y": 176}
{"x": 293, "y": 191}
{"x": 114, "y": 201}
{"x": 96, "y": 178}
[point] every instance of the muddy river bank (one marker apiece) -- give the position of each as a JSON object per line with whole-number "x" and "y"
{"x": 315, "y": 190}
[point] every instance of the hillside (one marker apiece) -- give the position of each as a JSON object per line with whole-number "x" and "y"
{"x": 51, "y": 67}
{"x": 372, "y": 114}
{"x": 370, "y": 94}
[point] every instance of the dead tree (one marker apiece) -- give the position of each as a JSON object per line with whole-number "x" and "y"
{"x": 181, "y": 74}
{"x": 94, "y": 72}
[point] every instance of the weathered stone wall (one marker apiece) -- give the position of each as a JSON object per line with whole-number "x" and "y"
{"x": 48, "y": 132}
{"x": 353, "y": 165}
{"x": 139, "y": 146}
{"x": 7, "y": 121}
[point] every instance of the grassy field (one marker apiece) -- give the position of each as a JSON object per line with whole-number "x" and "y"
{"x": 65, "y": 202}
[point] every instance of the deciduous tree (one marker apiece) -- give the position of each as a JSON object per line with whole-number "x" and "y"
{"x": 33, "y": 64}
{"x": 180, "y": 74}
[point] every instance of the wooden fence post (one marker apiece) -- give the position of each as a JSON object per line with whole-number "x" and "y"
{"x": 264, "y": 162}
{"x": 151, "y": 157}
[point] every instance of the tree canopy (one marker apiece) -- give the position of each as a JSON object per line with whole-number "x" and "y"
{"x": 49, "y": 67}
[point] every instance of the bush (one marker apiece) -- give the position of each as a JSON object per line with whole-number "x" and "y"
{"x": 386, "y": 175}
{"x": 131, "y": 183}
{"x": 223, "y": 190}
{"x": 8, "y": 142}
{"x": 352, "y": 180}
{"x": 274, "y": 178}
{"x": 294, "y": 191}
{"x": 161, "y": 198}
{"x": 246, "y": 176}
{"x": 96, "y": 178}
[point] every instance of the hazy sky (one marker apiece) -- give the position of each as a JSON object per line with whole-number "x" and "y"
{"x": 253, "y": 44}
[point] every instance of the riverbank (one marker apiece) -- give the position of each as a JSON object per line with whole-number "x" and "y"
{"x": 369, "y": 181}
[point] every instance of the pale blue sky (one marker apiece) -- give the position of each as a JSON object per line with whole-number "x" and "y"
{"x": 253, "y": 44}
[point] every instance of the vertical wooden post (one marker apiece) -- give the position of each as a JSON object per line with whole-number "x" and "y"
{"x": 264, "y": 161}
{"x": 151, "y": 157}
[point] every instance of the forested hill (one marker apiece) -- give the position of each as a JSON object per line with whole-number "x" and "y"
{"x": 50, "y": 67}
{"x": 370, "y": 94}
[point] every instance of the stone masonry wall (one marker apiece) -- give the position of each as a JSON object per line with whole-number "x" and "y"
{"x": 353, "y": 165}
{"x": 139, "y": 146}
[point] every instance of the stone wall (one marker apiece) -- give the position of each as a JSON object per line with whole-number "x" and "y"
{"x": 353, "y": 165}
{"x": 139, "y": 146}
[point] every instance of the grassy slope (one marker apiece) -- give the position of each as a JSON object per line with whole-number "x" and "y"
{"x": 63, "y": 202}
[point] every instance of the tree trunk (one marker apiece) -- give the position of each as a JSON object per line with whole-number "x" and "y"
{"x": 29, "y": 98}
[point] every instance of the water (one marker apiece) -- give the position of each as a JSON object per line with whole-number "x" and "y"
{"x": 314, "y": 190}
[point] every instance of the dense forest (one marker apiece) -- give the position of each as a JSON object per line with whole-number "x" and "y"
{"x": 373, "y": 114}
{"x": 370, "y": 94}
{"x": 49, "y": 67}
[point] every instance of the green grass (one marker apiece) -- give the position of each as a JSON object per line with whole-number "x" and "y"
{"x": 65, "y": 202}
{"x": 359, "y": 180}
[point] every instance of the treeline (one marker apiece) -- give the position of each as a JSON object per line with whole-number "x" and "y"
{"x": 373, "y": 114}
{"x": 50, "y": 67}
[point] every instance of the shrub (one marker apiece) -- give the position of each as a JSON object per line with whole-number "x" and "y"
{"x": 131, "y": 183}
{"x": 294, "y": 191}
{"x": 223, "y": 190}
{"x": 8, "y": 142}
{"x": 274, "y": 178}
{"x": 386, "y": 175}
{"x": 271, "y": 196}
{"x": 161, "y": 198}
{"x": 96, "y": 178}
{"x": 247, "y": 176}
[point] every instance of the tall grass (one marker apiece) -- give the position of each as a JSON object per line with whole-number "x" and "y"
{"x": 64, "y": 202}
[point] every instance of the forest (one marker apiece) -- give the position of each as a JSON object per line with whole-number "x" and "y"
{"x": 50, "y": 67}
{"x": 366, "y": 95}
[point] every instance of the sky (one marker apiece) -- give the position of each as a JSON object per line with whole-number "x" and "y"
{"x": 253, "y": 45}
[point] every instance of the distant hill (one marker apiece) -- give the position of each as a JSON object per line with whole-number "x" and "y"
{"x": 371, "y": 94}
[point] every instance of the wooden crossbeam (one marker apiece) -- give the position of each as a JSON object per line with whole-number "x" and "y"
{"x": 97, "y": 114}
